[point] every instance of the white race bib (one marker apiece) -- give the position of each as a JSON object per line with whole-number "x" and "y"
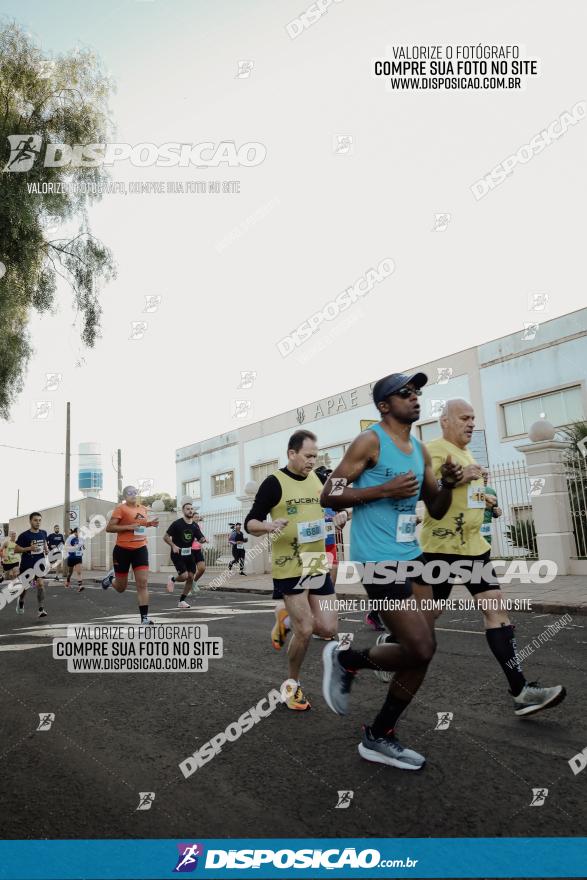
{"x": 310, "y": 531}
{"x": 37, "y": 547}
{"x": 329, "y": 528}
{"x": 476, "y": 497}
{"x": 240, "y": 546}
{"x": 486, "y": 530}
{"x": 140, "y": 530}
{"x": 406, "y": 527}
{"x": 186, "y": 551}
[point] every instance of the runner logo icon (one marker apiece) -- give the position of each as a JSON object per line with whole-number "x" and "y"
{"x": 188, "y": 855}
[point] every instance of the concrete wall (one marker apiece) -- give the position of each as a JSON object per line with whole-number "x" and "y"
{"x": 89, "y": 507}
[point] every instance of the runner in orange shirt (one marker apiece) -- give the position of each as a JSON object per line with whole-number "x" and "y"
{"x": 130, "y": 521}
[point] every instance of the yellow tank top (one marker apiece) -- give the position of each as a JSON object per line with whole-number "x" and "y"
{"x": 458, "y": 531}
{"x": 305, "y": 530}
{"x": 9, "y": 554}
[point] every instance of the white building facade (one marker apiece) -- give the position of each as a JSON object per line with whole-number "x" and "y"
{"x": 511, "y": 382}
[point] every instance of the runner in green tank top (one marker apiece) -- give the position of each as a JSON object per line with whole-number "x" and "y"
{"x": 291, "y": 496}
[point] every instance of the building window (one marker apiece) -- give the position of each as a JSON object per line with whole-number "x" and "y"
{"x": 558, "y": 407}
{"x": 521, "y": 513}
{"x": 260, "y": 471}
{"x": 223, "y": 484}
{"x": 429, "y": 431}
{"x": 331, "y": 456}
{"x": 192, "y": 490}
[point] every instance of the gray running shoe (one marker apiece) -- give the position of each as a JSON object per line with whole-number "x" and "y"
{"x": 19, "y": 608}
{"x": 107, "y": 581}
{"x": 336, "y": 681}
{"x": 534, "y": 698}
{"x": 388, "y": 750}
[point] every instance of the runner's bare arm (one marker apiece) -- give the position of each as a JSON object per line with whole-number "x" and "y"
{"x": 438, "y": 498}
{"x": 361, "y": 454}
{"x": 114, "y": 526}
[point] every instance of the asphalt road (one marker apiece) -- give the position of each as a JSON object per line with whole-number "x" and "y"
{"x": 115, "y": 735}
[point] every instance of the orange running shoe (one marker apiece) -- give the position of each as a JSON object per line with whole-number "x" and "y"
{"x": 298, "y": 701}
{"x": 279, "y": 631}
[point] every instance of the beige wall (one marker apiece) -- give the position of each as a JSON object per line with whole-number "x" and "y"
{"x": 88, "y": 507}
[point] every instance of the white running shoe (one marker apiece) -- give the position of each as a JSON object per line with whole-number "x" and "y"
{"x": 534, "y": 698}
{"x": 183, "y": 604}
{"x": 170, "y": 586}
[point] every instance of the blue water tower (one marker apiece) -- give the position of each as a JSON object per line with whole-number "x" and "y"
{"x": 90, "y": 473}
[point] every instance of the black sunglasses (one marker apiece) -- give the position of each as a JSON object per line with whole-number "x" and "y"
{"x": 407, "y": 392}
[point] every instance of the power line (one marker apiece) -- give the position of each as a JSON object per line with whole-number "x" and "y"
{"x": 42, "y": 451}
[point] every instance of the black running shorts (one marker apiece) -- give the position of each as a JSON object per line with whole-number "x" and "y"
{"x": 185, "y": 563}
{"x": 442, "y": 589}
{"x": 292, "y": 586}
{"x": 391, "y": 591}
{"x": 123, "y": 558}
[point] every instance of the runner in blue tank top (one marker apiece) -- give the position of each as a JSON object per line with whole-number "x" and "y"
{"x": 389, "y": 471}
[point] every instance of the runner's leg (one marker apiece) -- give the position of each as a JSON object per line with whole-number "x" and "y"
{"x": 302, "y": 623}
{"x": 141, "y": 574}
{"x": 324, "y": 614}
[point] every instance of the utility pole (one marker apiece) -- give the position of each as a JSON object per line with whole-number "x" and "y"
{"x": 119, "y": 475}
{"x": 67, "y": 499}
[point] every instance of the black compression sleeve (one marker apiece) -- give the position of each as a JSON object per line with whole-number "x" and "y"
{"x": 268, "y": 495}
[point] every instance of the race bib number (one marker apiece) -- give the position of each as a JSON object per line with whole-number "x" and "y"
{"x": 476, "y": 497}
{"x": 186, "y": 551}
{"x": 140, "y": 530}
{"x": 329, "y": 528}
{"x": 240, "y": 546}
{"x": 486, "y": 530}
{"x": 310, "y": 531}
{"x": 406, "y": 527}
{"x": 37, "y": 547}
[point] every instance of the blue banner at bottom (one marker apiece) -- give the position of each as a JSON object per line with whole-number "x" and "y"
{"x": 488, "y": 857}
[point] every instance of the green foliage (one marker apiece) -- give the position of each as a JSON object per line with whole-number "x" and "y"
{"x": 523, "y": 534}
{"x": 63, "y": 100}
{"x": 577, "y": 483}
{"x": 170, "y": 503}
{"x": 575, "y": 433}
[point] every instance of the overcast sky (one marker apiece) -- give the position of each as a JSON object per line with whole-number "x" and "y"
{"x": 315, "y": 220}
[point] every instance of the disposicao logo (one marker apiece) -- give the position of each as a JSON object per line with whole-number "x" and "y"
{"x": 188, "y": 855}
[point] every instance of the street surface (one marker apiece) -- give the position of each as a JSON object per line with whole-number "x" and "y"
{"x": 115, "y": 735}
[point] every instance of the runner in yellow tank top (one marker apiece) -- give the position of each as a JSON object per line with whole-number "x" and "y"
{"x": 291, "y": 496}
{"x": 456, "y": 538}
{"x": 10, "y": 557}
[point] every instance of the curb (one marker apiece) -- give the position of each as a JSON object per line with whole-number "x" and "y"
{"x": 579, "y": 610}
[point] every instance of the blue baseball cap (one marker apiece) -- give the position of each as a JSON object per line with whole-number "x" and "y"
{"x": 392, "y": 383}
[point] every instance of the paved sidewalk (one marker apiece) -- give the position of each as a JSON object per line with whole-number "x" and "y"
{"x": 564, "y": 594}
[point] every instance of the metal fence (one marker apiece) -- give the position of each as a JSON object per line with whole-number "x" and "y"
{"x": 576, "y": 472}
{"x": 513, "y": 534}
{"x": 217, "y": 527}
